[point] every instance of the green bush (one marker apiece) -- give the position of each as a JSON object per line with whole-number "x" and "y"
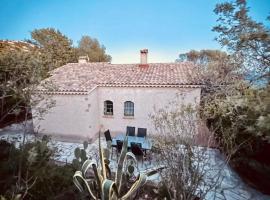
{"x": 242, "y": 118}
{"x": 242, "y": 126}
{"x": 49, "y": 179}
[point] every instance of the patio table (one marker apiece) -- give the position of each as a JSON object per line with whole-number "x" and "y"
{"x": 144, "y": 141}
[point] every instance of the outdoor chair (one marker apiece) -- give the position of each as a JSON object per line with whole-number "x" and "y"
{"x": 137, "y": 151}
{"x": 108, "y": 136}
{"x": 119, "y": 145}
{"x": 130, "y": 131}
{"x": 141, "y": 132}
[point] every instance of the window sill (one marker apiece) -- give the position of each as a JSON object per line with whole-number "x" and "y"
{"x": 107, "y": 116}
{"x": 128, "y": 117}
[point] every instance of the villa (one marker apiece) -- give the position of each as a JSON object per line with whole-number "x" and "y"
{"x": 114, "y": 96}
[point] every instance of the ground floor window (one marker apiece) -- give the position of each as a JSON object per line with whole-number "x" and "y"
{"x": 108, "y": 107}
{"x": 129, "y": 108}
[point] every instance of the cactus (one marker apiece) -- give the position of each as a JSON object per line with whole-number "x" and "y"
{"x": 101, "y": 186}
{"x": 80, "y": 155}
{"x": 85, "y": 145}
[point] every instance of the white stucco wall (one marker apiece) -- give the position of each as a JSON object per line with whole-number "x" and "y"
{"x": 82, "y": 115}
{"x": 145, "y": 99}
{"x": 73, "y": 115}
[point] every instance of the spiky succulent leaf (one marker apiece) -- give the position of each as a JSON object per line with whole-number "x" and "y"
{"x": 141, "y": 180}
{"x": 109, "y": 190}
{"x": 101, "y": 156}
{"x": 119, "y": 172}
{"x": 105, "y": 188}
{"x": 76, "y": 180}
{"x": 127, "y": 155}
{"x": 86, "y": 165}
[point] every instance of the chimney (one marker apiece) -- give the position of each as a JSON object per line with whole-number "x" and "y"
{"x": 144, "y": 53}
{"x": 83, "y": 59}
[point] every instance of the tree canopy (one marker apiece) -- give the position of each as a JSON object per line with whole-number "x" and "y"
{"x": 56, "y": 48}
{"x": 26, "y": 64}
{"x": 203, "y": 56}
{"x": 238, "y": 113}
{"x": 92, "y": 48}
{"x": 245, "y": 39}
{"x": 214, "y": 67}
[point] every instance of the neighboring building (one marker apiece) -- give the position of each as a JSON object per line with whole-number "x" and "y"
{"x": 91, "y": 95}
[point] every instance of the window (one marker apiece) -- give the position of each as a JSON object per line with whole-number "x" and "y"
{"x": 129, "y": 108}
{"x": 108, "y": 107}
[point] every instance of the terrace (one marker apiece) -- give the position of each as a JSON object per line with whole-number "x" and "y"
{"x": 231, "y": 187}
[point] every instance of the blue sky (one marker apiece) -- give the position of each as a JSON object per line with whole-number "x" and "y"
{"x": 166, "y": 28}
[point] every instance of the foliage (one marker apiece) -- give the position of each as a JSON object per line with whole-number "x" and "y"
{"x": 17, "y": 197}
{"x": 247, "y": 40}
{"x": 241, "y": 124}
{"x": 241, "y": 111}
{"x": 56, "y": 48}
{"x": 216, "y": 70}
{"x": 101, "y": 186}
{"x": 203, "y": 56}
{"x": 214, "y": 66}
{"x": 238, "y": 112}
{"x": 20, "y": 70}
{"x": 25, "y": 64}
{"x": 42, "y": 179}
{"x": 6, "y": 45}
{"x": 20, "y": 73}
{"x": 92, "y": 48}
{"x": 190, "y": 171}
{"x": 241, "y": 120}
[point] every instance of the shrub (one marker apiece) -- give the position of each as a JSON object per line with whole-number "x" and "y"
{"x": 242, "y": 125}
{"x": 41, "y": 177}
{"x": 190, "y": 171}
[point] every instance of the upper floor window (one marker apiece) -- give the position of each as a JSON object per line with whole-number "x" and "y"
{"x": 129, "y": 108}
{"x": 108, "y": 107}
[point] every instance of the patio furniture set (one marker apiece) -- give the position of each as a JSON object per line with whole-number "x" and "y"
{"x": 138, "y": 144}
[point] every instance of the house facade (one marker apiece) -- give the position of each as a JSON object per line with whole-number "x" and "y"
{"x": 89, "y": 96}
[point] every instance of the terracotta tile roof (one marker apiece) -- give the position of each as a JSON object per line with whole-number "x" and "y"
{"x": 83, "y": 77}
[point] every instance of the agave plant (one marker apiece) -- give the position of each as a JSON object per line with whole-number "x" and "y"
{"x": 101, "y": 186}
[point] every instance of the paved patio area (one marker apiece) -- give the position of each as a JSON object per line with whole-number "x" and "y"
{"x": 232, "y": 187}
